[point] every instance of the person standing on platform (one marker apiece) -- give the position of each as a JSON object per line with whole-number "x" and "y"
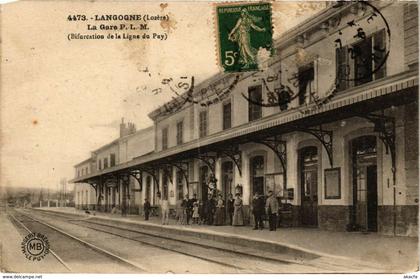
{"x": 146, "y": 209}
{"x": 210, "y": 210}
{"x": 238, "y": 216}
{"x": 258, "y": 211}
{"x": 184, "y": 214}
{"x": 230, "y": 209}
{"x": 196, "y": 213}
{"x": 190, "y": 208}
{"x": 165, "y": 210}
{"x": 272, "y": 208}
{"x": 219, "y": 215}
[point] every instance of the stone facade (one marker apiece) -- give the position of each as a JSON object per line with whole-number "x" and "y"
{"x": 405, "y": 218}
{"x": 333, "y": 217}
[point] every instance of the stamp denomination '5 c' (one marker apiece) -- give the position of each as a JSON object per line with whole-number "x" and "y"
{"x": 243, "y": 31}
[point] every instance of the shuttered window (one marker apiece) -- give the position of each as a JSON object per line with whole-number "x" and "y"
{"x": 179, "y": 132}
{"x": 164, "y": 138}
{"x": 254, "y": 103}
{"x": 112, "y": 160}
{"x": 361, "y": 62}
{"x": 227, "y": 116}
{"x": 342, "y": 68}
{"x": 379, "y": 52}
{"x": 203, "y": 123}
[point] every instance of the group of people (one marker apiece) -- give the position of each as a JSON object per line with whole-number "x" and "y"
{"x": 213, "y": 212}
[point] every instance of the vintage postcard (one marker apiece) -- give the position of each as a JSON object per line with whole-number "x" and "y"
{"x": 209, "y": 137}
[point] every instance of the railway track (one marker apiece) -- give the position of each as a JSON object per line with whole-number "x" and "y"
{"x": 239, "y": 260}
{"x": 221, "y": 255}
{"x": 74, "y": 259}
{"x": 223, "y": 258}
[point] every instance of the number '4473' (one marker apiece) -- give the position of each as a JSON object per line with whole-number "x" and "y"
{"x": 76, "y": 17}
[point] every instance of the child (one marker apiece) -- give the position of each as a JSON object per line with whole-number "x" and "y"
{"x": 196, "y": 215}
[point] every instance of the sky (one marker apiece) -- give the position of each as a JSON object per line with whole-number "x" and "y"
{"x": 61, "y": 99}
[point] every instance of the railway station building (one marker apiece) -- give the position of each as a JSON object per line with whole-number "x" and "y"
{"x": 330, "y": 124}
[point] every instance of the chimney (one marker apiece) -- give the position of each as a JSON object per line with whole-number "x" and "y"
{"x": 131, "y": 128}
{"x": 126, "y": 128}
{"x": 123, "y": 128}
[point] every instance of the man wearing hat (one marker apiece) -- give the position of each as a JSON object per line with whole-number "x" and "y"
{"x": 272, "y": 207}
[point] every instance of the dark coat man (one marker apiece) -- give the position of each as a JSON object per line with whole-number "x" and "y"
{"x": 146, "y": 209}
{"x": 230, "y": 208}
{"x": 210, "y": 209}
{"x": 258, "y": 211}
{"x": 184, "y": 205}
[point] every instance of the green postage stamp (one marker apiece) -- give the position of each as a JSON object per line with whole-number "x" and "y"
{"x": 243, "y": 30}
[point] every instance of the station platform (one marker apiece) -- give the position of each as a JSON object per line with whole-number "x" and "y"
{"x": 393, "y": 253}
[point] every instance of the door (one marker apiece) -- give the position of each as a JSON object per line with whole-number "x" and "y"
{"x": 204, "y": 171}
{"x": 113, "y": 197}
{"x": 309, "y": 186}
{"x": 258, "y": 185}
{"x": 227, "y": 180}
{"x": 148, "y": 188}
{"x": 365, "y": 188}
{"x": 372, "y": 197}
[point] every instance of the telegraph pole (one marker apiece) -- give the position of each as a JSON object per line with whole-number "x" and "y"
{"x": 63, "y": 182}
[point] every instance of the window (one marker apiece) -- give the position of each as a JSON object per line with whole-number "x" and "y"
{"x": 361, "y": 62}
{"x": 99, "y": 164}
{"x": 203, "y": 123}
{"x": 227, "y": 116}
{"x": 306, "y": 83}
{"x": 83, "y": 172}
{"x": 105, "y": 163}
{"x": 255, "y": 99}
{"x": 87, "y": 170}
{"x": 257, "y": 174}
{"x": 112, "y": 160}
{"x": 78, "y": 173}
{"x": 164, "y": 138}
{"x": 179, "y": 132}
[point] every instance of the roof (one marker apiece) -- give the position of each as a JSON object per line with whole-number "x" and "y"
{"x": 83, "y": 162}
{"x": 286, "y": 38}
{"x": 387, "y": 89}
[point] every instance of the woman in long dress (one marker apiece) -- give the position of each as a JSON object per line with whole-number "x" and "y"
{"x": 238, "y": 217}
{"x": 219, "y": 215}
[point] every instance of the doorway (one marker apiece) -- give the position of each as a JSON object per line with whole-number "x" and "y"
{"x": 365, "y": 184}
{"x": 204, "y": 173}
{"x": 227, "y": 181}
{"x": 165, "y": 184}
{"x": 309, "y": 186}
{"x": 148, "y": 188}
